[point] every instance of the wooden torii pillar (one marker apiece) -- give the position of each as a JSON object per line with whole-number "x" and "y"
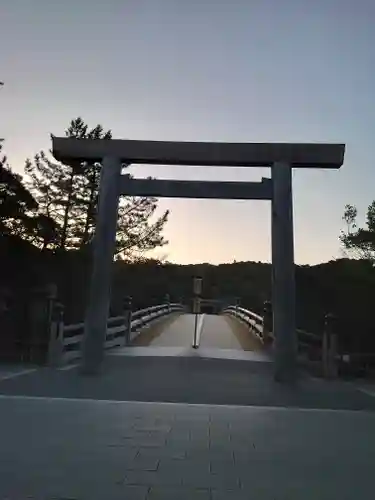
{"x": 281, "y": 157}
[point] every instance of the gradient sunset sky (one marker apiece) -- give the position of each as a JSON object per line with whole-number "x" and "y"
{"x": 220, "y": 70}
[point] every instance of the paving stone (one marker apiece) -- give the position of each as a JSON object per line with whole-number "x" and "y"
{"x": 220, "y": 466}
{"x": 163, "y": 452}
{"x": 184, "y": 467}
{"x": 197, "y": 424}
{"x": 181, "y": 493}
{"x": 207, "y": 480}
{"x": 220, "y": 434}
{"x": 152, "y": 478}
{"x": 199, "y": 434}
{"x": 232, "y": 495}
{"x": 68, "y": 487}
{"x": 152, "y": 425}
{"x": 178, "y": 436}
{"x": 224, "y": 446}
{"x": 123, "y": 446}
{"x": 161, "y": 431}
{"x": 146, "y": 441}
{"x": 133, "y": 493}
{"x": 198, "y": 444}
{"x": 141, "y": 462}
{"x": 217, "y": 425}
{"x": 209, "y": 454}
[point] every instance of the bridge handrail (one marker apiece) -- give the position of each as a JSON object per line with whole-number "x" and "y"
{"x": 313, "y": 349}
{"x": 256, "y": 322}
{"x": 249, "y": 313}
{"x": 116, "y": 328}
{"x": 251, "y": 319}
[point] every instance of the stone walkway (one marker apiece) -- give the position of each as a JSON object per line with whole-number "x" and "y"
{"x": 188, "y": 426}
{"x": 96, "y": 450}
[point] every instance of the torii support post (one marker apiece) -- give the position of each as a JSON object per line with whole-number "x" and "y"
{"x": 100, "y": 286}
{"x": 283, "y": 274}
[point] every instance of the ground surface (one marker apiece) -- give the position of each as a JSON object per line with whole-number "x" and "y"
{"x": 69, "y": 449}
{"x": 191, "y": 380}
{"x": 185, "y": 426}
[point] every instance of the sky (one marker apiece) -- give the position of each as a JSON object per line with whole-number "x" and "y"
{"x": 204, "y": 70}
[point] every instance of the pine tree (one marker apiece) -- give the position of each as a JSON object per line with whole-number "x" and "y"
{"x": 15, "y": 200}
{"x": 56, "y": 188}
{"x": 69, "y": 194}
{"x": 137, "y": 232}
{"x": 86, "y": 197}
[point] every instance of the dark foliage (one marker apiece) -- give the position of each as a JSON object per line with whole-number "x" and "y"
{"x": 69, "y": 194}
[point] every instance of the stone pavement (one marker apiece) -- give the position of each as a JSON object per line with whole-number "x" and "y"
{"x": 192, "y": 380}
{"x": 89, "y": 450}
{"x": 184, "y": 427}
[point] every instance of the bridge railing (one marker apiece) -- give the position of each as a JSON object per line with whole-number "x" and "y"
{"x": 251, "y": 319}
{"x": 313, "y": 349}
{"x": 66, "y": 340}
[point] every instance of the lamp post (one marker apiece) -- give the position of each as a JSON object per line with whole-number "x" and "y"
{"x": 197, "y": 290}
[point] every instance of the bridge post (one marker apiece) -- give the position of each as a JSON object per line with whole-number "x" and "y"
{"x": 283, "y": 273}
{"x": 168, "y": 301}
{"x": 104, "y": 244}
{"x": 267, "y": 322}
{"x": 127, "y": 319}
{"x": 55, "y": 348}
{"x": 330, "y": 347}
{"x": 41, "y": 323}
{"x": 237, "y": 304}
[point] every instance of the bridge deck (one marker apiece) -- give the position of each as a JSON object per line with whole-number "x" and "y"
{"x": 174, "y": 332}
{"x": 227, "y": 333}
{"x": 214, "y": 331}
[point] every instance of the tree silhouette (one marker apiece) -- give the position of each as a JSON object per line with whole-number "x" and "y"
{"x": 68, "y": 193}
{"x": 359, "y": 241}
{"x": 19, "y": 214}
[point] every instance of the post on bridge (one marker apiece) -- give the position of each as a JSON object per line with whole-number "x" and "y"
{"x": 197, "y": 290}
{"x": 168, "y": 301}
{"x": 127, "y": 319}
{"x": 330, "y": 347}
{"x": 267, "y": 322}
{"x": 104, "y": 246}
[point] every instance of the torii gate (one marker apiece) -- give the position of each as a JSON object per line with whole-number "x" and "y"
{"x": 281, "y": 157}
